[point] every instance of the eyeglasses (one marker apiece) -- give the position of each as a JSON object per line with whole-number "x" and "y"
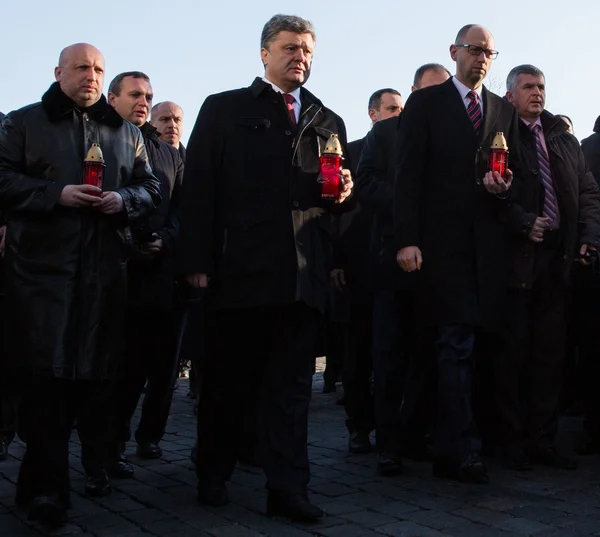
{"x": 474, "y": 50}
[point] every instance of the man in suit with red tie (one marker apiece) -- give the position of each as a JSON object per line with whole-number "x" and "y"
{"x": 253, "y": 222}
{"x": 447, "y": 208}
{"x": 559, "y": 223}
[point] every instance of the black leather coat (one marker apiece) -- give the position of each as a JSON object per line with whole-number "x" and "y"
{"x": 65, "y": 267}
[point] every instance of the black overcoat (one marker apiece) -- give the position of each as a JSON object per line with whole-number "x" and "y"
{"x": 251, "y": 213}
{"x": 66, "y": 267}
{"x": 441, "y": 205}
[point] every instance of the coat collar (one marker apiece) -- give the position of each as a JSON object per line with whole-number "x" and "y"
{"x": 259, "y": 86}
{"x": 149, "y": 132}
{"x": 57, "y": 106}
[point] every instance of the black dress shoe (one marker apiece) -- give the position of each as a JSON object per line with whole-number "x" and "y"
{"x": 359, "y": 443}
{"x": 515, "y": 458}
{"x": 472, "y": 470}
{"x": 296, "y": 507}
{"x": 3, "y": 450}
{"x": 149, "y": 450}
{"x": 121, "y": 468}
{"x": 48, "y": 511}
{"x": 389, "y": 464}
{"x": 98, "y": 485}
{"x": 214, "y": 494}
{"x": 551, "y": 456}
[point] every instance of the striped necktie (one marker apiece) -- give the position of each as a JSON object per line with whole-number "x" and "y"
{"x": 474, "y": 111}
{"x": 550, "y": 209}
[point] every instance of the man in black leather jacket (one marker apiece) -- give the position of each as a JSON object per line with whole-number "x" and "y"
{"x": 151, "y": 354}
{"x": 65, "y": 269}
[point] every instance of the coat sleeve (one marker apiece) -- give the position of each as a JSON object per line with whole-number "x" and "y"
{"x": 591, "y": 151}
{"x": 511, "y": 212}
{"x": 170, "y": 231}
{"x": 19, "y": 191}
{"x": 350, "y": 202}
{"x": 141, "y": 196}
{"x": 589, "y": 202}
{"x": 197, "y": 209}
{"x": 410, "y": 171}
{"x": 372, "y": 181}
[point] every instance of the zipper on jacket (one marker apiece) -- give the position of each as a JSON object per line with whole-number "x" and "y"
{"x": 297, "y": 139}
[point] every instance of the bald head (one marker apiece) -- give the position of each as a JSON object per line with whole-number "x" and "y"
{"x": 80, "y": 73}
{"x": 473, "y": 52}
{"x": 167, "y": 118}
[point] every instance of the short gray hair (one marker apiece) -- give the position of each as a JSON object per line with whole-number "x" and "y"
{"x": 117, "y": 83}
{"x": 285, "y": 23}
{"x": 526, "y": 69}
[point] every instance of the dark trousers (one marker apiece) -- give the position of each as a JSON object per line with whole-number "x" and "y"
{"x": 151, "y": 358}
{"x": 585, "y": 322}
{"x": 455, "y": 435}
{"x": 8, "y": 417}
{"x": 393, "y": 339}
{"x": 46, "y": 415}
{"x": 358, "y": 367}
{"x": 528, "y": 372}
{"x": 263, "y": 366}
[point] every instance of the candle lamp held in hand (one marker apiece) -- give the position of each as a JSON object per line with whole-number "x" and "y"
{"x": 93, "y": 167}
{"x": 330, "y": 168}
{"x": 499, "y": 155}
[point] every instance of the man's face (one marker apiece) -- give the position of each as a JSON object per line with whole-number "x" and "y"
{"x": 288, "y": 59}
{"x": 81, "y": 74}
{"x": 528, "y": 96}
{"x": 432, "y": 77}
{"x": 134, "y": 101}
{"x": 168, "y": 120}
{"x": 470, "y": 69}
{"x": 391, "y": 106}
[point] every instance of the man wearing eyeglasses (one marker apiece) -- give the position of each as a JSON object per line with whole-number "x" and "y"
{"x": 447, "y": 227}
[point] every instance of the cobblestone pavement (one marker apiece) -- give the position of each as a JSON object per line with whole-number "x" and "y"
{"x": 161, "y": 499}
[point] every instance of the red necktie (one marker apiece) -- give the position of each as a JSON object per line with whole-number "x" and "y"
{"x": 289, "y": 101}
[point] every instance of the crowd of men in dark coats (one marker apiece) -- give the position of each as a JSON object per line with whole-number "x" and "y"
{"x": 442, "y": 285}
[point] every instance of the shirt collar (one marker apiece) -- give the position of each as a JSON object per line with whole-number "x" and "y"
{"x": 538, "y": 121}
{"x": 295, "y": 94}
{"x": 464, "y": 90}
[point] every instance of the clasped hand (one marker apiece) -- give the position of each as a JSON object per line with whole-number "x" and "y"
{"x": 495, "y": 184}
{"x": 91, "y": 196}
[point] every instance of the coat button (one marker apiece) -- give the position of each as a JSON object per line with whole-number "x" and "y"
{"x": 288, "y": 133}
{"x": 295, "y": 204}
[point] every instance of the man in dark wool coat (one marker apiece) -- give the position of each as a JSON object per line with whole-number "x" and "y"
{"x": 447, "y": 220}
{"x": 65, "y": 269}
{"x": 254, "y": 223}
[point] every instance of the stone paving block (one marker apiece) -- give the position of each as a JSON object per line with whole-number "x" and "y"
{"x": 396, "y": 509}
{"x": 233, "y": 531}
{"x": 482, "y": 516}
{"x": 337, "y": 508}
{"x": 331, "y": 489}
{"x": 525, "y": 526}
{"x": 540, "y": 513}
{"x": 438, "y": 520}
{"x": 345, "y": 530}
{"x": 409, "y": 529}
{"x": 147, "y": 516}
{"x": 368, "y": 519}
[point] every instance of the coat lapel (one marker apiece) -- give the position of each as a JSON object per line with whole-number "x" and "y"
{"x": 456, "y": 107}
{"x": 490, "y": 115}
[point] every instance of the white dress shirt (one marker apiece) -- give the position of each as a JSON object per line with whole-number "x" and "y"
{"x": 297, "y": 105}
{"x": 464, "y": 92}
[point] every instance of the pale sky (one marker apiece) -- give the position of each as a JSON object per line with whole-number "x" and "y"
{"x": 191, "y": 49}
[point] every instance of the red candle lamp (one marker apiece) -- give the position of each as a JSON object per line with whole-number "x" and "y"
{"x": 498, "y": 161}
{"x": 330, "y": 167}
{"x": 93, "y": 167}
